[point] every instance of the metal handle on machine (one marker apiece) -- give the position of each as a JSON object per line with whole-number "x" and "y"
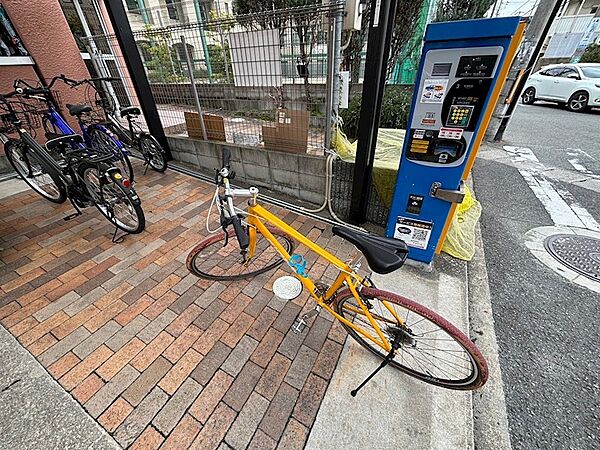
{"x": 448, "y": 195}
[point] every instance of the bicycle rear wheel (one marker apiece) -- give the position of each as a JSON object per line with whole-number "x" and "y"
{"x": 104, "y": 143}
{"x": 29, "y": 168}
{"x": 113, "y": 201}
{"x": 432, "y": 349}
{"x": 212, "y": 260}
{"x": 154, "y": 153}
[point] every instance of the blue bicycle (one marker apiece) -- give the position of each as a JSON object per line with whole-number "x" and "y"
{"x": 95, "y": 135}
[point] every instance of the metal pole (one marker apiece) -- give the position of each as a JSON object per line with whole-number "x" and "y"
{"x": 194, "y": 90}
{"x": 337, "y": 55}
{"x": 92, "y": 49}
{"x": 330, "y": 90}
{"x": 120, "y": 22}
{"x": 537, "y": 32}
{"x": 224, "y": 53}
{"x": 381, "y": 27}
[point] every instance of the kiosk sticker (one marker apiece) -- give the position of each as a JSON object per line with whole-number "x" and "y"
{"x": 434, "y": 91}
{"x": 415, "y": 233}
{"x": 429, "y": 119}
{"x": 450, "y": 133}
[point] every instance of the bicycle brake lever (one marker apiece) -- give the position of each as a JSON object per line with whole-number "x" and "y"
{"x": 226, "y": 237}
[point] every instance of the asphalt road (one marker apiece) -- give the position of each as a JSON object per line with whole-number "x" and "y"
{"x": 547, "y": 327}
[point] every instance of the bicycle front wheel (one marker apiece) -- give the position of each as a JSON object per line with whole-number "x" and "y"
{"x": 113, "y": 201}
{"x": 213, "y": 260}
{"x": 153, "y": 152}
{"x": 27, "y": 165}
{"x": 431, "y": 348}
{"x": 104, "y": 143}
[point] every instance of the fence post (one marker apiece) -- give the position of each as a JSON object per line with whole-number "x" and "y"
{"x": 337, "y": 54}
{"x": 334, "y": 52}
{"x": 194, "y": 90}
{"x": 329, "y": 83}
{"x": 378, "y": 49}
{"x": 120, "y": 22}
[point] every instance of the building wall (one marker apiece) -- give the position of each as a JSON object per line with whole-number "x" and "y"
{"x": 43, "y": 29}
{"x": 574, "y": 6}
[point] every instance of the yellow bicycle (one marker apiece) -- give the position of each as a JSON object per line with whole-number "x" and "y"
{"x": 405, "y": 334}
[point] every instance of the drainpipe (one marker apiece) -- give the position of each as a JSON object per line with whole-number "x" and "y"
{"x": 200, "y": 20}
{"x": 143, "y": 11}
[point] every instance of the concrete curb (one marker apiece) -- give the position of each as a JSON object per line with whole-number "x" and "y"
{"x": 490, "y": 421}
{"x": 36, "y": 412}
{"x": 394, "y": 410}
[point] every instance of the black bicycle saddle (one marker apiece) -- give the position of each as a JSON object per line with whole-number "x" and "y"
{"x": 384, "y": 255}
{"x": 76, "y": 110}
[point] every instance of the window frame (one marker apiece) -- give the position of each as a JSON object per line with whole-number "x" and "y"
{"x": 131, "y": 9}
{"x": 171, "y": 6}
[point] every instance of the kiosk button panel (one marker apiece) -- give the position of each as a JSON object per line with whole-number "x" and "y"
{"x": 459, "y": 116}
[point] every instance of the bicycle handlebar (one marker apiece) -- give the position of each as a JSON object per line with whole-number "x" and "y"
{"x": 74, "y": 83}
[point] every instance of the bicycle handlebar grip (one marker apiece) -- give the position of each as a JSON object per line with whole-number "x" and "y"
{"x": 36, "y": 91}
{"x": 226, "y": 156}
{"x": 240, "y": 233}
{"x": 105, "y": 79}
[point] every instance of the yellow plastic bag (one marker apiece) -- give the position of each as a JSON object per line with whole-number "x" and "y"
{"x": 387, "y": 158}
{"x": 460, "y": 240}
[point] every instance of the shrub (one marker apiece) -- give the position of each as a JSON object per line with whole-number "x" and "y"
{"x": 395, "y": 109}
{"x": 591, "y": 54}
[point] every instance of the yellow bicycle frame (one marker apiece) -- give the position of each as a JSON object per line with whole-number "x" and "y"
{"x": 347, "y": 275}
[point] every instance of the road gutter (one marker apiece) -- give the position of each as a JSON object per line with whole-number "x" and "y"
{"x": 490, "y": 420}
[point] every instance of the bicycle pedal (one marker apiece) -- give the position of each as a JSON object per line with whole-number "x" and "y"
{"x": 71, "y": 216}
{"x": 299, "y": 326}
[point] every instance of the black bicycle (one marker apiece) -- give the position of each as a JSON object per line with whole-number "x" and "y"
{"x": 80, "y": 175}
{"x": 134, "y": 137}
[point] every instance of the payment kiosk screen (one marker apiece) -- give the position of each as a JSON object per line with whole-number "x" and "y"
{"x": 441, "y": 69}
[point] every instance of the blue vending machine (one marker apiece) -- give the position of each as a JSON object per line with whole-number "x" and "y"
{"x": 462, "y": 70}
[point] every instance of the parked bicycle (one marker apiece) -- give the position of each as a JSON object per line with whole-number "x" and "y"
{"x": 95, "y": 135}
{"x": 133, "y": 137}
{"x": 84, "y": 177}
{"x": 405, "y": 334}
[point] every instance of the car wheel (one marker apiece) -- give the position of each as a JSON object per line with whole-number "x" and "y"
{"x": 578, "y": 101}
{"x": 528, "y": 96}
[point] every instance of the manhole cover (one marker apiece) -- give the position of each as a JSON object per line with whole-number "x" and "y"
{"x": 579, "y": 253}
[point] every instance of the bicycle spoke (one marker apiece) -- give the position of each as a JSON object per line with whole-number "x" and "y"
{"x": 427, "y": 349}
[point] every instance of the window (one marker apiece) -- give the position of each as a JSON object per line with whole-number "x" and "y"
{"x": 568, "y": 73}
{"x": 172, "y": 9}
{"x": 552, "y": 72}
{"x": 133, "y": 6}
{"x": 10, "y": 42}
{"x": 591, "y": 72}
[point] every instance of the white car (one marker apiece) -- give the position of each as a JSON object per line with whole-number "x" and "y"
{"x": 575, "y": 85}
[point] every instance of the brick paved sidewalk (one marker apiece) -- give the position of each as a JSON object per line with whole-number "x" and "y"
{"x": 157, "y": 356}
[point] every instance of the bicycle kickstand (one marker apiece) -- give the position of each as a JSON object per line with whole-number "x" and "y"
{"x": 301, "y": 322}
{"x": 77, "y": 212}
{"x": 385, "y": 362}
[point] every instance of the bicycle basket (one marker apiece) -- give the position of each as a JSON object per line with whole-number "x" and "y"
{"x": 87, "y": 92}
{"x": 27, "y": 111}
